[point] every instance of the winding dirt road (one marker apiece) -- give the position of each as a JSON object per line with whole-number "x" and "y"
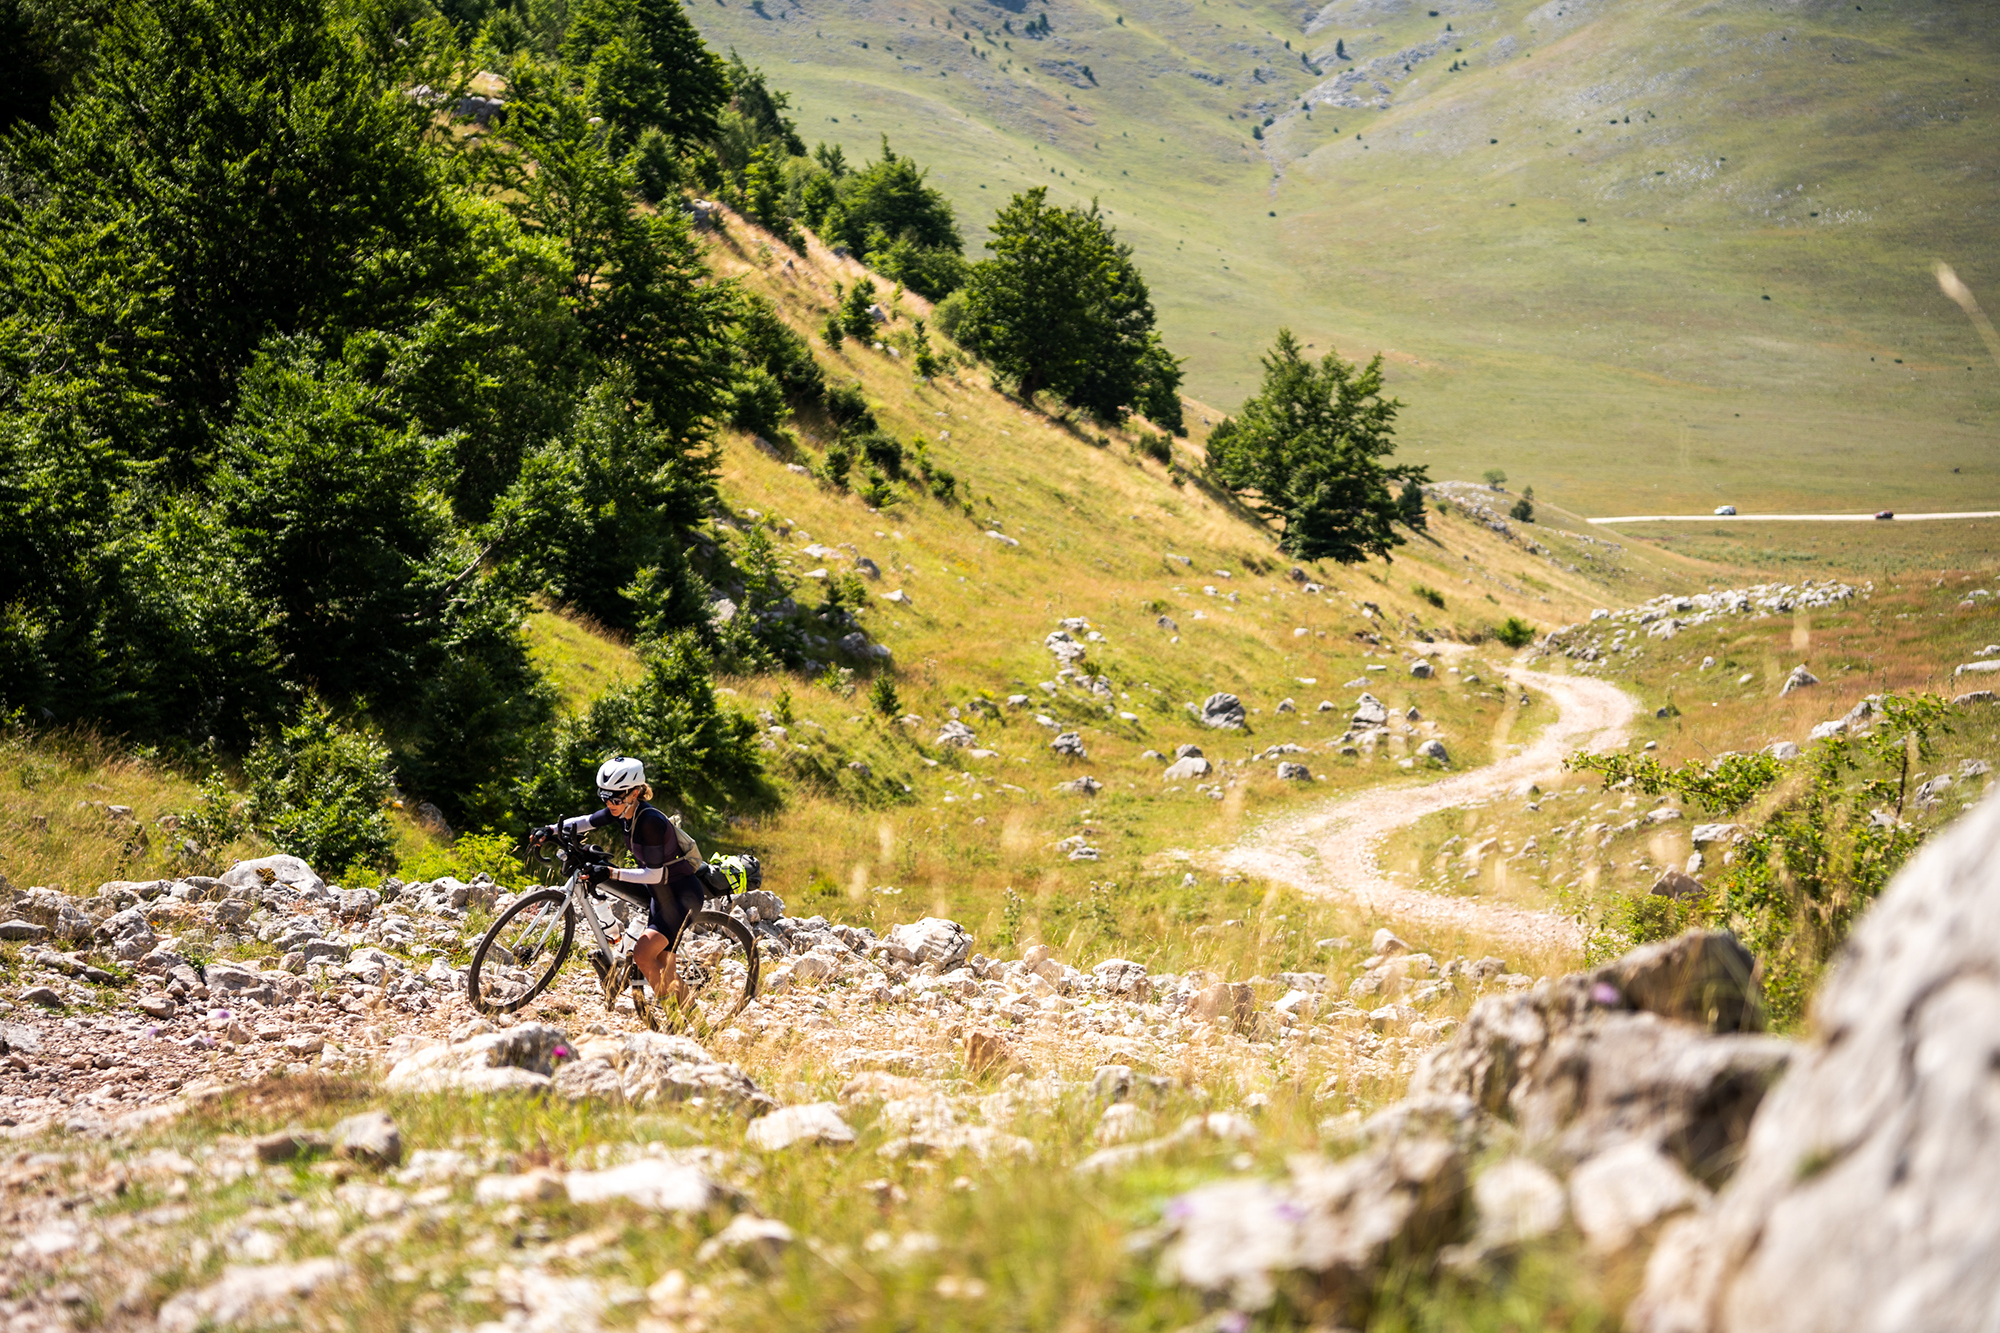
{"x": 1347, "y": 833}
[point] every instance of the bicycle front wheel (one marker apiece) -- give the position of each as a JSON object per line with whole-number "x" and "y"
{"x": 521, "y": 954}
{"x": 717, "y": 970}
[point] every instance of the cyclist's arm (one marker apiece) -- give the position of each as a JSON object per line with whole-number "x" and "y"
{"x": 585, "y": 823}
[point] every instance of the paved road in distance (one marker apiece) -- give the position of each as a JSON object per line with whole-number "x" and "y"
{"x": 1791, "y": 518}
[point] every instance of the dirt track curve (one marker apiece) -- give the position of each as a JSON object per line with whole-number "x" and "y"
{"x": 1347, "y": 833}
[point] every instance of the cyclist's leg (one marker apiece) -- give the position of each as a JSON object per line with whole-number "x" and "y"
{"x": 647, "y": 953}
{"x": 654, "y": 952}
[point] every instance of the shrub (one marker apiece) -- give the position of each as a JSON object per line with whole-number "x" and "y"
{"x": 759, "y": 404}
{"x": 1523, "y": 510}
{"x": 1833, "y": 835}
{"x": 1515, "y": 632}
{"x": 832, "y": 332}
{"x": 491, "y": 854}
{"x": 1494, "y": 477}
{"x": 882, "y": 696}
{"x": 1431, "y": 595}
{"x": 317, "y": 791}
{"x": 877, "y": 491}
{"x": 882, "y": 451}
{"x": 848, "y": 406}
{"x": 1159, "y": 448}
{"x": 658, "y": 172}
{"x": 855, "y": 317}
{"x": 217, "y": 818}
{"x": 839, "y": 461}
{"x": 948, "y": 317}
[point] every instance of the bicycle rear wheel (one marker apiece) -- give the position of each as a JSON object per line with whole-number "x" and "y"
{"x": 518, "y": 958}
{"x": 717, "y": 971}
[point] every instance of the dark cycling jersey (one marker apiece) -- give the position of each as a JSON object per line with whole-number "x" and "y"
{"x": 668, "y": 861}
{"x": 664, "y": 853}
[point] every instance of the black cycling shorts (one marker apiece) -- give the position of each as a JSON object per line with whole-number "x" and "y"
{"x": 673, "y": 903}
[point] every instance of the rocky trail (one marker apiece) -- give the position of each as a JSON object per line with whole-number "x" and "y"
{"x": 1334, "y": 849}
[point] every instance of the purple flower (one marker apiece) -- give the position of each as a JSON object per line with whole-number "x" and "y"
{"x": 1233, "y": 1322}
{"x": 222, "y": 1014}
{"x": 561, "y": 1053}
{"x": 1606, "y": 994}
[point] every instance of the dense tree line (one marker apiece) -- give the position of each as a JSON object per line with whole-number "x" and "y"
{"x": 294, "y": 415}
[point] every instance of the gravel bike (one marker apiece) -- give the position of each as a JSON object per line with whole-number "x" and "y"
{"x": 519, "y": 956}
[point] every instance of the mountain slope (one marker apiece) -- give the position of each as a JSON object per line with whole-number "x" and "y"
{"x": 1581, "y": 302}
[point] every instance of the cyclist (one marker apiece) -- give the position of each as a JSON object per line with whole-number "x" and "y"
{"x": 668, "y": 861}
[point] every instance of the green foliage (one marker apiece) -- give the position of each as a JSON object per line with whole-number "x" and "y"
{"x": 1493, "y": 476}
{"x": 838, "y": 462}
{"x": 1309, "y": 446}
{"x": 1159, "y": 448}
{"x": 1523, "y": 510}
{"x": 948, "y": 317}
{"x": 610, "y": 497}
{"x": 646, "y": 68}
{"x": 217, "y": 818}
{"x": 885, "y": 213}
{"x": 926, "y": 362}
{"x": 1833, "y": 829}
{"x": 318, "y": 791}
{"x": 493, "y": 854}
{"x": 700, "y": 757}
{"x": 877, "y": 491}
{"x": 1410, "y": 506}
{"x": 882, "y": 696}
{"x": 293, "y": 401}
{"x": 1429, "y": 594}
{"x": 848, "y": 407}
{"x": 833, "y": 333}
{"x": 768, "y": 342}
{"x": 1061, "y": 307}
{"x": 1514, "y": 632}
{"x": 855, "y": 317}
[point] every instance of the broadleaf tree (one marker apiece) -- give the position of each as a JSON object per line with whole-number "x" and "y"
{"x": 1061, "y": 308}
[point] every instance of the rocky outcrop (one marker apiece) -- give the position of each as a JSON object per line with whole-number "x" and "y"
{"x": 1637, "y": 1083}
{"x": 1864, "y": 1197}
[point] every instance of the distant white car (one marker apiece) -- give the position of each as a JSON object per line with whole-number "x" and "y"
{"x": 1725, "y": 511}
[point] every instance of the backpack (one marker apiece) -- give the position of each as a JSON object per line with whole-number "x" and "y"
{"x": 742, "y": 873}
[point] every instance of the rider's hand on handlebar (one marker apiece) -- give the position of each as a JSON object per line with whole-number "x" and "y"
{"x": 594, "y": 875}
{"x": 542, "y": 834}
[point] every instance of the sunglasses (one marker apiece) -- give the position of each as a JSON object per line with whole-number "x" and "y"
{"x": 613, "y": 797}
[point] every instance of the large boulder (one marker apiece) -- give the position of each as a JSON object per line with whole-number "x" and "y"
{"x": 1658, "y": 1047}
{"x": 519, "y": 1059}
{"x": 1222, "y": 711}
{"x": 126, "y": 936}
{"x": 1369, "y": 712}
{"x": 287, "y": 870}
{"x": 649, "y": 1068}
{"x": 1863, "y": 1199}
{"x": 931, "y": 940}
{"x": 1333, "y": 1226}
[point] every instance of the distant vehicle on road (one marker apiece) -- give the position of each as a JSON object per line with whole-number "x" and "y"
{"x": 1885, "y": 513}
{"x": 1725, "y": 511}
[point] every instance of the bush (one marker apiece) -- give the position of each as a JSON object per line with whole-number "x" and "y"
{"x": 1833, "y": 834}
{"x": 856, "y": 319}
{"x": 1494, "y": 477}
{"x": 217, "y": 818}
{"x": 1159, "y": 448}
{"x": 839, "y": 461}
{"x": 882, "y": 451}
{"x": 1515, "y": 632}
{"x": 882, "y": 696}
{"x": 1431, "y": 595}
{"x": 877, "y": 491}
{"x": 848, "y": 406}
{"x": 832, "y": 332}
{"x": 491, "y": 854}
{"x": 948, "y": 317}
{"x": 658, "y": 172}
{"x": 759, "y": 403}
{"x": 1523, "y": 510}
{"x": 317, "y": 791}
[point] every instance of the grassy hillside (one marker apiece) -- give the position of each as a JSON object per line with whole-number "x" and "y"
{"x": 1564, "y": 246}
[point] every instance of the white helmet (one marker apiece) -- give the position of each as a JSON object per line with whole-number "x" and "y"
{"x": 618, "y": 775}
